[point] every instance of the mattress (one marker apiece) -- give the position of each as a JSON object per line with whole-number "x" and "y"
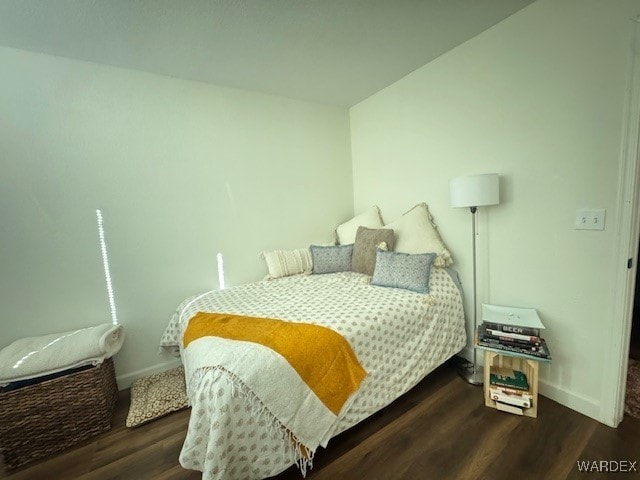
{"x": 398, "y": 336}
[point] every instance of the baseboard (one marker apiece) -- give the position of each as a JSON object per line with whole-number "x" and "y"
{"x": 125, "y": 381}
{"x": 581, "y": 404}
{"x": 584, "y": 405}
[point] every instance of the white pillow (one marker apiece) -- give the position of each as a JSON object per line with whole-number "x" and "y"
{"x": 416, "y": 232}
{"x": 346, "y": 233}
{"x": 282, "y": 263}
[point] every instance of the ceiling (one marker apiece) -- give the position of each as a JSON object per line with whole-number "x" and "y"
{"x": 337, "y": 52}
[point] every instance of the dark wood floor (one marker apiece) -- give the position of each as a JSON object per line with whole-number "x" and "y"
{"x": 439, "y": 430}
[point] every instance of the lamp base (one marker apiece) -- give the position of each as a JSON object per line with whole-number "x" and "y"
{"x": 474, "y": 376}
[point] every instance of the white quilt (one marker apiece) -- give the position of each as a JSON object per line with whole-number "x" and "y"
{"x": 398, "y": 336}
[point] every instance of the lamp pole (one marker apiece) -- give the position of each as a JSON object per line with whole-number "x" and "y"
{"x": 475, "y": 376}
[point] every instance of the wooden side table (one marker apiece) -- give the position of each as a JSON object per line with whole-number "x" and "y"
{"x": 526, "y": 364}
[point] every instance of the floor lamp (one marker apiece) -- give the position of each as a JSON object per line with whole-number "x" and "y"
{"x": 474, "y": 191}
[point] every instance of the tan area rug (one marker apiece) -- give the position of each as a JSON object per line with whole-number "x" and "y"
{"x": 156, "y": 396}
{"x": 632, "y": 399}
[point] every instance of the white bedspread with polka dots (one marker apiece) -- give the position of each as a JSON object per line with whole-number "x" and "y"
{"x": 399, "y": 337}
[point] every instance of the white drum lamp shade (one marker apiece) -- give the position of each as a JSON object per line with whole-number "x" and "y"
{"x": 475, "y": 190}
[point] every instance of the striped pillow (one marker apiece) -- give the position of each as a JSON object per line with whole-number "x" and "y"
{"x": 282, "y": 263}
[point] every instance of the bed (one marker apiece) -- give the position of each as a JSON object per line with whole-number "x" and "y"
{"x": 398, "y": 336}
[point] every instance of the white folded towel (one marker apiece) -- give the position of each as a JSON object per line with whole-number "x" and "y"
{"x": 33, "y": 357}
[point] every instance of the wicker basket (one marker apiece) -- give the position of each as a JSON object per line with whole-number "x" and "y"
{"x": 45, "y": 418}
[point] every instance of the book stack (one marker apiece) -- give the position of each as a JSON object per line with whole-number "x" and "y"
{"x": 512, "y": 333}
{"x": 509, "y": 388}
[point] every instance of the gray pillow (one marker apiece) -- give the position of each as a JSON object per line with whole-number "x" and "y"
{"x": 403, "y": 270}
{"x": 364, "y": 250}
{"x": 331, "y": 259}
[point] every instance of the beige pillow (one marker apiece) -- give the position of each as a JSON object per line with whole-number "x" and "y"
{"x": 416, "y": 232}
{"x": 371, "y": 218}
{"x": 282, "y": 263}
{"x": 364, "y": 249}
{"x": 156, "y": 396}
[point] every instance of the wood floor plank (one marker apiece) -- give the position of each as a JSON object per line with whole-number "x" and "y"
{"x": 617, "y": 444}
{"x": 376, "y": 455}
{"x": 138, "y": 462}
{"x": 483, "y": 448}
{"x": 360, "y": 432}
{"x": 440, "y": 429}
{"x": 535, "y": 446}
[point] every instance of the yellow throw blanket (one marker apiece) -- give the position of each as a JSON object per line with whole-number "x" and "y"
{"x": 320, "y": 356}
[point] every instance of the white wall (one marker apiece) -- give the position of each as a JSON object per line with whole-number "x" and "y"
{"x": 539, "y": 99}
{"x": 181, "y": 170}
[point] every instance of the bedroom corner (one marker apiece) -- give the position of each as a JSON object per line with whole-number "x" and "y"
{"x": 184, "y": 170}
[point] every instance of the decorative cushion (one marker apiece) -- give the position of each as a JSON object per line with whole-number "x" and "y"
{"x": 331, "y": 259}
{"x": 403, "y": 270}
{"x": 156, "y": 396}
{"x": 364, "y": 250}
{"x": 371, "y": 218}
{"x": 416, "y": 232}
{"x": 282, "y": 263}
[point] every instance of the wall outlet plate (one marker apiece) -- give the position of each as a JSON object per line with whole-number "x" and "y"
{"x": 590, "y": 219}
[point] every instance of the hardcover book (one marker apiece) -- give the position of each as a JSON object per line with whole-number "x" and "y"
{"x": 506, "y": 328}
{"x": 533, "y": 346}
{"x": 509, "y": 408}
{"x": 488, "y": 334}
{"x": 511, "y": 336}
{"x": 541, "y": 352}
{"x": 508, "y": 377}
{"x": 510, "y": 391}
{"x": 521, "y": 401}
{"x": 513, "y": 318}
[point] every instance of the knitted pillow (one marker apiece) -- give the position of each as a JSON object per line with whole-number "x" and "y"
{"x": 364, "y": 250}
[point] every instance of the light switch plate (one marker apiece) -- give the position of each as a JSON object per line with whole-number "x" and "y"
{"x": 591, "y": 219}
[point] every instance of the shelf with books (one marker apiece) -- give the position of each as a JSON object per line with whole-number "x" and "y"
{"x": 511, "y": 339}
{"x": 512, "y": 395}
